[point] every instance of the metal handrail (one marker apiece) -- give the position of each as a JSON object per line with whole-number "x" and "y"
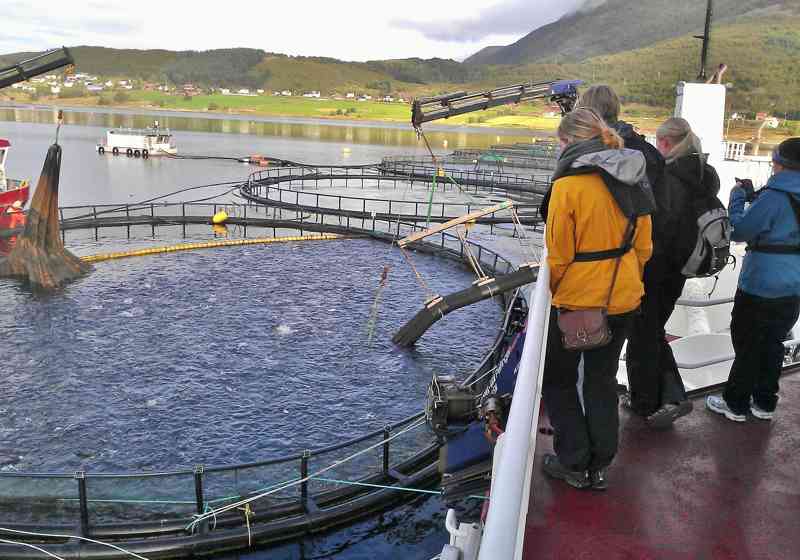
{"x": 703, "y": 303}
{"x": 504, "y": 533}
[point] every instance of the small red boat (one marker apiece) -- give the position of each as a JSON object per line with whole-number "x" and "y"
{"x": 13, "y": 196}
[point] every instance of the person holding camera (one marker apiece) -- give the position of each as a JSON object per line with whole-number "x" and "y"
{"x": 598, "y": 239}
{"x": 767, "y": 301}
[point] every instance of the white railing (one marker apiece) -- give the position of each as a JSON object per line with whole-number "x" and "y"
{"x": 504, "y": 533}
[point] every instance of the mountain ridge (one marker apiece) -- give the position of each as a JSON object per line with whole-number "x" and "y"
{"x": 619, "y": 26}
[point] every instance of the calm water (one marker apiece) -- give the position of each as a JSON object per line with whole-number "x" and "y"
{"x": 223, "y": 356}
{"x": 227, "y": 355}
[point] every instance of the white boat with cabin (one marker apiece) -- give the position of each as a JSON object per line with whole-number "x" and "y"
{"x": 138, "y": 142}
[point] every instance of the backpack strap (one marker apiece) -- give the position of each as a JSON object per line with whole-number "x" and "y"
{"x": 780, "y": 249}
{"x": 627, "y": 244}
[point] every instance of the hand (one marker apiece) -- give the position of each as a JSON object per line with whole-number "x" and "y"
{"x": 747, "y": 186}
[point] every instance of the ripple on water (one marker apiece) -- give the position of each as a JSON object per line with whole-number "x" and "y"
{"x": 223, "y": 356}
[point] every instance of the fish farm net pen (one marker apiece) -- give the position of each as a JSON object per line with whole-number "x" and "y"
{"x": 67, "y": 537}
{"x": 213, "y": 513}
{"x": 118, "y": 208}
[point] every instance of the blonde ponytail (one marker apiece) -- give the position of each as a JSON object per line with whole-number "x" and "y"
{"x": 584, "y": 124}
{"x": 679, "y": 133}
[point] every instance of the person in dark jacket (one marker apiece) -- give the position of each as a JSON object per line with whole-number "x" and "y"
{"x": 656, "y": 389}
{"x": 767, "y": 301}
{"x": 604, "y": 101}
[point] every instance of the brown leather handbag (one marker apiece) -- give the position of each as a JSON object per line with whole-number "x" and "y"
{"x": 586, "y": 329}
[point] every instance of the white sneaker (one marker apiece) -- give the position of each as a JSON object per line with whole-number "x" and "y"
{"x": 760, "y": 413}
{"x": 716, "y": 403}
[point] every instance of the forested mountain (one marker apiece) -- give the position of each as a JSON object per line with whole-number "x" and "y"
{"x": 614, "y": 26}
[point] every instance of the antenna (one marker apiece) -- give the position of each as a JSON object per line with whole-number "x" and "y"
{"x": 706, "y": 37}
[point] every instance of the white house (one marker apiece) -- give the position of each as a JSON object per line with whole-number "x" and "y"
{"x": 311, "y": 94}
{"x": 68, "y": 84}
{"x": 287, "y": 93}
{"x": 243, "y": 91}
{"x": 94, "y": 87}
{"x": 55, "y": 90}
{"x": 259, "y": 91}
{"x": 350, "y": 95}
{"x": 224, "y": 91}
{"x": 109, "y": 83}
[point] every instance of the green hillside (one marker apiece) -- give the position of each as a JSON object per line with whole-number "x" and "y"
{"x": 762, "y": 55}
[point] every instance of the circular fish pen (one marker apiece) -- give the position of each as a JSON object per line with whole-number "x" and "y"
{"x": 193, "y": 512}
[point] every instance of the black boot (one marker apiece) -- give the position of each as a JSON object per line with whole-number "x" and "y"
{"x": 553, "y": 468}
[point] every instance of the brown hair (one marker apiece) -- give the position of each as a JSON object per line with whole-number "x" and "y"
{"x": 584, "y": 124}
{"x": 683, "y": 140}
{"x": 603, "y": 100}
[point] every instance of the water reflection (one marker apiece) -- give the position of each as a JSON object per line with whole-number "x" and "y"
{"x": 387, "y": 134}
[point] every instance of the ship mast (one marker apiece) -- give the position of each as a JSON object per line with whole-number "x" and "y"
{"x": 706, "y": 37}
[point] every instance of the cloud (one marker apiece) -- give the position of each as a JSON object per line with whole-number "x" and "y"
{"x": 509, "y": 17}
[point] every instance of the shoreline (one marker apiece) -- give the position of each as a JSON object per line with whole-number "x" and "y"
{"x": 543, "y": 125}
{"x": 492, "y": 123}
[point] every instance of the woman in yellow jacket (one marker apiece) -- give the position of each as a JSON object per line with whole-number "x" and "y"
{"x": 600, "y": 194}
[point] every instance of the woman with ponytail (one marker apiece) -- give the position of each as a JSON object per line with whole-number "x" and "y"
{"x": 656, "y": 389}
{"x": 598, "y": 240}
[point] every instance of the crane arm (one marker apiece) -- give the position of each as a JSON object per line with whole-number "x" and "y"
{"x": 426, "y": 109}
{"x": 40, "y": 64}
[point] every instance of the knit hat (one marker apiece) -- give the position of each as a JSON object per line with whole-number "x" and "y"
{"x": 787, "y": 154}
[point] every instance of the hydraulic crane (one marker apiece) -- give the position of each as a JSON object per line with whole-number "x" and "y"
{"x": 40, "y": 64}
{"x": 426, "y": 109}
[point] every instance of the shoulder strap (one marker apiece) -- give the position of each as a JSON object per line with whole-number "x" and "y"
{"x": 627, "y": 243}
{"x": 781, "y": 249}
{"x": 795, "y": 208}
{"x": 627, "y": 239}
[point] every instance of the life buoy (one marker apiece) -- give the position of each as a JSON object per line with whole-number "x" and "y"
{"x": 136, "y": 153}
{"x": 129, "y": 152}
{"x": 145, "y": 154}
{"x": 115, "y": 151}
{"x": 101, "y": 150}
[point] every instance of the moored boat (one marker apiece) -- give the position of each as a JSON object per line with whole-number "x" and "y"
{"x": 13, "y": 196}
{"x": 138, "y": 142}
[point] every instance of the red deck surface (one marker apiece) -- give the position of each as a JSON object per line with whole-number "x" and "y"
{"x": 707, "y": 489}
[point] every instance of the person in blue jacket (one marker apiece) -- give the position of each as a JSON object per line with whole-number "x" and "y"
{"x": 767, "y": 300}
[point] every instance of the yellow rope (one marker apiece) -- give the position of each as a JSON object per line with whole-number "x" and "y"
{"x": 420, "y": 279}
{"x": 476, "y": 266}
{"x": 207, "y": 245}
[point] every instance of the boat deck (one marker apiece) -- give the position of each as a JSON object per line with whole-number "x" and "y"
{"x": 707, "y": 489}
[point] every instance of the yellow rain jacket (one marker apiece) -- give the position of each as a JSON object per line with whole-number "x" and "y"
{"x": 583, "y": 217}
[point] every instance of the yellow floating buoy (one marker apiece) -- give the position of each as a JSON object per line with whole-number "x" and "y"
{"x": 220, "y": 217}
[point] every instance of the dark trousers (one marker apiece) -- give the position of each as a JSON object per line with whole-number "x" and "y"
{"x": 585, "y": 436}
{"x": 653, "y": 376}
{"x": 758, "y": 328}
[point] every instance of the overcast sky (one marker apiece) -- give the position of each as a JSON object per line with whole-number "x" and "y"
{"x": 348, "y": 30}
